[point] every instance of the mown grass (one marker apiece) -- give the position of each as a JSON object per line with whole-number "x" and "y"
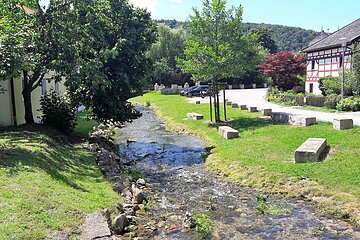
{"x": 46, "y": 184}
{"x": 263, "y": 156}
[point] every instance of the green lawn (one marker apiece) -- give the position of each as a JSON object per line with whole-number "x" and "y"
{"x": 263, "y": 155}
{"x": 46, "y": 184}
{"x": 320, "y": 109}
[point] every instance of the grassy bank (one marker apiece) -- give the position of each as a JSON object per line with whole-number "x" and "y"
{"x": 263, "y": 156}
{"x": 47, "y": 184}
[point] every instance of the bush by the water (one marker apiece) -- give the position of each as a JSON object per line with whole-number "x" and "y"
{"x": 57, "y": 112}
{"x": 349, "y": 104}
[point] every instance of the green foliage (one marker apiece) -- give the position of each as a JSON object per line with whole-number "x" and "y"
{"x": 332, "y": 101}
{"x": 287, "y": 38}
{"x": 84, "y": 124}
{"x": 264, "y": 38}
{"x": 110, "y": 63}
{"x": 349, "y": 104}
{"x": 58, "y": 112}
{"x": 216, "y": 46}
{"x": 163, "y": 53}
{"x": 330, "y": 85}
{"x": 356, "y": 69}
{"x": 203, "y": 224}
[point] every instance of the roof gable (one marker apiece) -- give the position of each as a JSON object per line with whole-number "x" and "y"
{"x": 351, "y": 32}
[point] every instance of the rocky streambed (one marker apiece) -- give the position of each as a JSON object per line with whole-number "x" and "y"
{"x": 184, "y": 201}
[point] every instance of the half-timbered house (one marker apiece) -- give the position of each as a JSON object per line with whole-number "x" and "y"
{"x": 325, "y": 56}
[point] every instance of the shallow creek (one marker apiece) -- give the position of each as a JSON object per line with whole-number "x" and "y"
{"x": 178, "y": 182}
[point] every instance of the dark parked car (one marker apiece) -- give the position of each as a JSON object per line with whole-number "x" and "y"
{"x": 195, "y": 91}
{"x": 183, "y": 92}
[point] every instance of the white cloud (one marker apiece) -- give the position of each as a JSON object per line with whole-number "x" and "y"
{"x": 148, "y": 4}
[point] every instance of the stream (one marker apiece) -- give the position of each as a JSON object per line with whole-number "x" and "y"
{"x": 179, "y": 185}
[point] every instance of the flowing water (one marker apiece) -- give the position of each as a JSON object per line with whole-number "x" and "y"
{"x": 179, "y": 183}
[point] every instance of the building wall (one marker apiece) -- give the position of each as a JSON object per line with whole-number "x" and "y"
{"x": 324, "y": 63}
{"x": 6, "y": 118}
{"x": 5, "y": 105}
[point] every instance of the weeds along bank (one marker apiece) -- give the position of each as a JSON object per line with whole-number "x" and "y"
{"x": 263, "y": 155}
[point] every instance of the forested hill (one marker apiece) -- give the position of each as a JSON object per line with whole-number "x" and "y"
{"x": 286, "y": 38}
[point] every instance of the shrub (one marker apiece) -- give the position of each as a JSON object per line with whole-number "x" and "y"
{"x": 298, "y": 89}
{"x": 332, "y": 101}
{"x": 57, "y": 112}
{"x": 349, "y": 104}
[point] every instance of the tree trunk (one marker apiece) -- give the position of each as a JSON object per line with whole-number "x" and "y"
{"x": 26, "y": 92}
{"x": 29, "y": 118}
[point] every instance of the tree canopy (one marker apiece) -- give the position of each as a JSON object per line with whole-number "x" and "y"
{"x": 98, "y": 47}
{"x": 216, "y": 46}
{"x": 284, "y": 68}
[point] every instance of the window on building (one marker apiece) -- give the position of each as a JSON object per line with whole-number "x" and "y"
{"x": 312, "y": 65}
{"x": 311, "y": 90}
{"x": 321, "y": 61}
{"x": 328, "y": 60}
{"x": 43, "y": 87}
{"x": 57, "y": 87}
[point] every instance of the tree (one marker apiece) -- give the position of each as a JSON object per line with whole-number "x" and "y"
{"x": 109, "y": 64}
{"x": 264, "y": 38}
{"x": 284, "y": 68}
{"x": 163, "y": 53}
{"x": 216, "y": 47}
{"x": 355, "y": 61}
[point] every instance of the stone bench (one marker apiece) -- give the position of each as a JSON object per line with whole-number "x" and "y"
{"x": 194, "y": 116}
{"x": 343, "y": 123}
{"x": 252, "y": 109}
{"x": 295, "y": 120}
{"x": 234, "y": 105}
{"x": 266, "y": 112}
{"x": 228, "y": 132}
{"x": 243, "y": 107}
{"x": 310, "y": 150}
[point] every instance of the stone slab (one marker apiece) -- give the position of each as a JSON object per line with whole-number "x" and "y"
{"x": 310, "y": 150}
{"x": 228, "y": 132}
{"x": 228, "y": 103}
{"x": 243, "y": 107}
{"x": 343, "y": 123}
{"x": 197, "y": 102}
{"x": 266, "y": 112}
{"x": 253, "y": 109}
{"x": 295, "y": 120}
{"x": 234, "y": 105}
{"x": 95, "y": 227}
{"x": 194, "y": 116}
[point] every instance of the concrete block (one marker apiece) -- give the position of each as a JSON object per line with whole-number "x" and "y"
{"x": 197, "y": 102}
{"x": 228, "y": 103}
{"x": 343, "y": 123}
{"x": 253, "y": 109}
{"x": 295, "y": 120}
{"x": 194, "y": 116}
{"x": 243, "y": 107}
{"x": 234, "y": 105}
{"x": 228, "y": 132}
{"x": 230, "y": 87}
{"x": 310, "y": 150}
{"x": 266, "y": 112}
{"x": 242, "y": 86}
{"x": 254, "y": 85}
{"x": 302, "y": 121}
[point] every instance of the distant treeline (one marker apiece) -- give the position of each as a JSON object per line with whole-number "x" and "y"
{"x": 286, "y": 38}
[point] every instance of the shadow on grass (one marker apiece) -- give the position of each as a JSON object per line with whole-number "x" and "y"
{"x": 244, "y": 123}
{"x": 60, "y": 160}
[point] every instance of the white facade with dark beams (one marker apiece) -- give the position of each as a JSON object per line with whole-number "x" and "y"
{"x": 327, "y": 55}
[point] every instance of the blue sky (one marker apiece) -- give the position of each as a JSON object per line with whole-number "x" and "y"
{"x": 308, "y": 14}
